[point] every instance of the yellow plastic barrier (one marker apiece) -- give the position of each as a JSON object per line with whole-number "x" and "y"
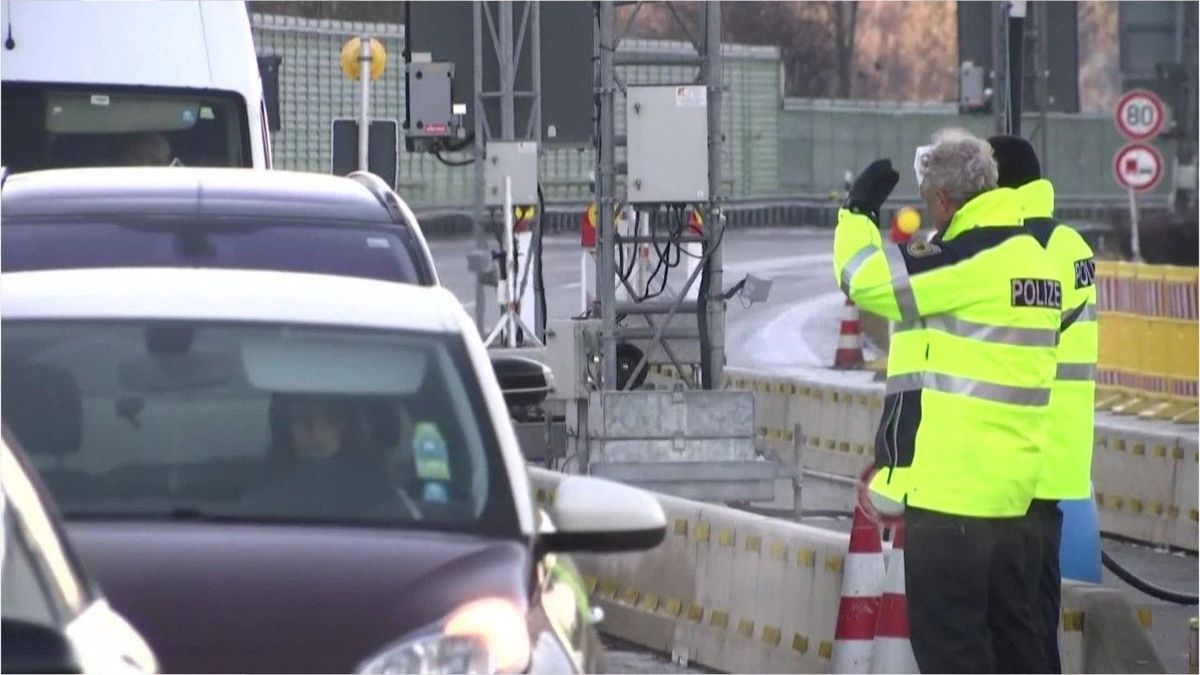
{"x": 1107, "y": 377}
{"x": 1148, "y": 340}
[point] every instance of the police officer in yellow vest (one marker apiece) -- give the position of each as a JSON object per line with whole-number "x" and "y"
{"x": 1068, "y": 466}
{"x": 960, "y": 442}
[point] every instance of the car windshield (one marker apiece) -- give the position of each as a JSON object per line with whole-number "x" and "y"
{"x": 251, "y": 422}
{"x": 347, "y": 250}
{"x": 59, "y": 126}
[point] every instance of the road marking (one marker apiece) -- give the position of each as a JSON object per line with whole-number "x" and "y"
{"x": 776, "y": 342}
{"x": 791, "y": 261}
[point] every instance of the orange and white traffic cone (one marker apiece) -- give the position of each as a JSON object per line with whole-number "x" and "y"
{"x": 893, "y": 652}
{"x": 862, "y": 586}
{"x": 849, "y": 348}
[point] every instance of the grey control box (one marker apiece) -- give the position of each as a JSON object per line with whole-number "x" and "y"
{"x": 429, "y": 103}
{"x": 517, "y": 160}
{"x": 668, "y": 144}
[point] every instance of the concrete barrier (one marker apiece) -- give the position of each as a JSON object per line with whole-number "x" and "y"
{"x": 1146, "y": 483}
{"x": 1100, "y": 632}
{"x": 1182, "y": 529}
{"x": 738, "y": 592}
{"x": 727, "y": 589}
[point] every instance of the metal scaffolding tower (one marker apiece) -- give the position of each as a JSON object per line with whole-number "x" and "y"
{"x": 709, "y": 307}
{"x": 498, "y": 18}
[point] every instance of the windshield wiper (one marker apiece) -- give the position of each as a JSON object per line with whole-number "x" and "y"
{"x": 185, "y": 513}
{"x": 191, "y": 513}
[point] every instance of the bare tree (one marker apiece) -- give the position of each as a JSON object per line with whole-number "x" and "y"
{"x": 906, "y": 51}
{"x": 1099, "y": 63}
{"x": 845, "y": 19}
{"x": 378, "y": 12}
{"x": 803, "y": 31}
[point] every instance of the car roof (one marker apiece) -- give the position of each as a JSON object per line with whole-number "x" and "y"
{"x": 208, "y": 294}
{"x": 227, "y": 192}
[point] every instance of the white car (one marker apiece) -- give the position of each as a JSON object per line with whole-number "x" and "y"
{"x": 55, "y": 618}
{"x": 285, "y": 472}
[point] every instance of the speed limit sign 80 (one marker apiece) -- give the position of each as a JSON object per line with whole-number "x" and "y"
{"x": 1140, "y": 115}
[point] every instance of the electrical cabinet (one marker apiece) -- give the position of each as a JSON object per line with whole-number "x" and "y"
{"x": 667, "y": 128}
{"x": 517, "y": 160}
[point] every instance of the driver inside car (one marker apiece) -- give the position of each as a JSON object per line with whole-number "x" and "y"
{"x": 323, "y": 461}
{"x": 146, "y": 149}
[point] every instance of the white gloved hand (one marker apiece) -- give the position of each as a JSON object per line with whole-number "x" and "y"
{"x": 881, "y": 509}
{"x": 919, "y": 163}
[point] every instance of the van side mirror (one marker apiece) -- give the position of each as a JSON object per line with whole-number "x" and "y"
{"x": 523, "y": 380}
{"x": 35, "y": 648}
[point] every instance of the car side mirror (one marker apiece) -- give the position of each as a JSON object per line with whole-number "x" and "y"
{"x": 524, "y": 381}
{"x": 601, "y": 516}
{"x": 35, "y": 648}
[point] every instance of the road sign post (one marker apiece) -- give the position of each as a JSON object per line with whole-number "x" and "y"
{"x": 1140, "y": 115}
{"x": 1135, "y": 241}
{"x": 364, "y": 108}
{"x": 363, "y": 61}
{"x": 1138, "y": 167}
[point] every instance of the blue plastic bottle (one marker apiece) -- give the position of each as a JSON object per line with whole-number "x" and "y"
{"x": 1079, "y": 554}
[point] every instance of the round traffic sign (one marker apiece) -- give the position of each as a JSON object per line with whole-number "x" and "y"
{"x": 1138, "y": 166}
{"x": 1140, "y": 115}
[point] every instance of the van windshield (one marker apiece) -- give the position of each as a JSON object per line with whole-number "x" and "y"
{"x": 51, "y": 126}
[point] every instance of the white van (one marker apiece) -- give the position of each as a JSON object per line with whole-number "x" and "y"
{"x": 102, "y": 83}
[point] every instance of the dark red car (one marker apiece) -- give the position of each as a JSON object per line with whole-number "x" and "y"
{"x": 282, "y": 472}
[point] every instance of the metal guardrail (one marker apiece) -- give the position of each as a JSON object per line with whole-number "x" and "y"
{"x": 809, "y": 210}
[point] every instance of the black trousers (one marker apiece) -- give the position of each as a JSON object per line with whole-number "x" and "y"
{"x": 1048, "y": 590}
{"x": 969, "y": 583}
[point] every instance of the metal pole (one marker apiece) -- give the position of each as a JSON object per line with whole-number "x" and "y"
{"x": 1000, "y": 65}
{"x": 716, "y": 220}
{"x": 479, "y": 145}
{"x": 1135, "y": 244}
{"x": 1193, "y": 645}
{"x": 507, "y": 80}
{"x": 1043, "y": 84}
{"x": 535, "y": 113}
{"x": 1016, "y": 53}
{"x": 364, "y": 114}
{"x": 510, "y": 261}
{"x": 605, "y": 198}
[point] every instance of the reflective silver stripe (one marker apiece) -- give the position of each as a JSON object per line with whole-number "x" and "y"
{"x": 1088, "y": 314}
{"x": 1076, "y": 372}
{"x": 1007, "y": 335}
{"x": 856, "y": 261}
{"x": 902, "y": 326}
{"x": 1001, "y": 393}
{"x": 908, "y": 382}
{"x": 901, "y": 283}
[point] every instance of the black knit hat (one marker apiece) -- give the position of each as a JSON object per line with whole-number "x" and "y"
{"x": 1016, "y": 160}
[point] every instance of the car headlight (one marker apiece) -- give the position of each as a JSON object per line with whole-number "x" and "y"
{"x": 484, "y": 636}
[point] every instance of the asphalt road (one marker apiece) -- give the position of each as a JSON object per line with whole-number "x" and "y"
{"x": 804, "y": 299}
{"x": 797, "y": 329}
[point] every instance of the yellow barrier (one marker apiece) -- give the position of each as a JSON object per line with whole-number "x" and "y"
{"x": 1148, "y": 340}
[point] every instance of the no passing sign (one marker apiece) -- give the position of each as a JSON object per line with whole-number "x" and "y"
{"x": 1137, "y": 166}
{"x": 1140, "y": 115}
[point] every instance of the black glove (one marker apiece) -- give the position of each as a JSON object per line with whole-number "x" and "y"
{"x": 872, "y": 188}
